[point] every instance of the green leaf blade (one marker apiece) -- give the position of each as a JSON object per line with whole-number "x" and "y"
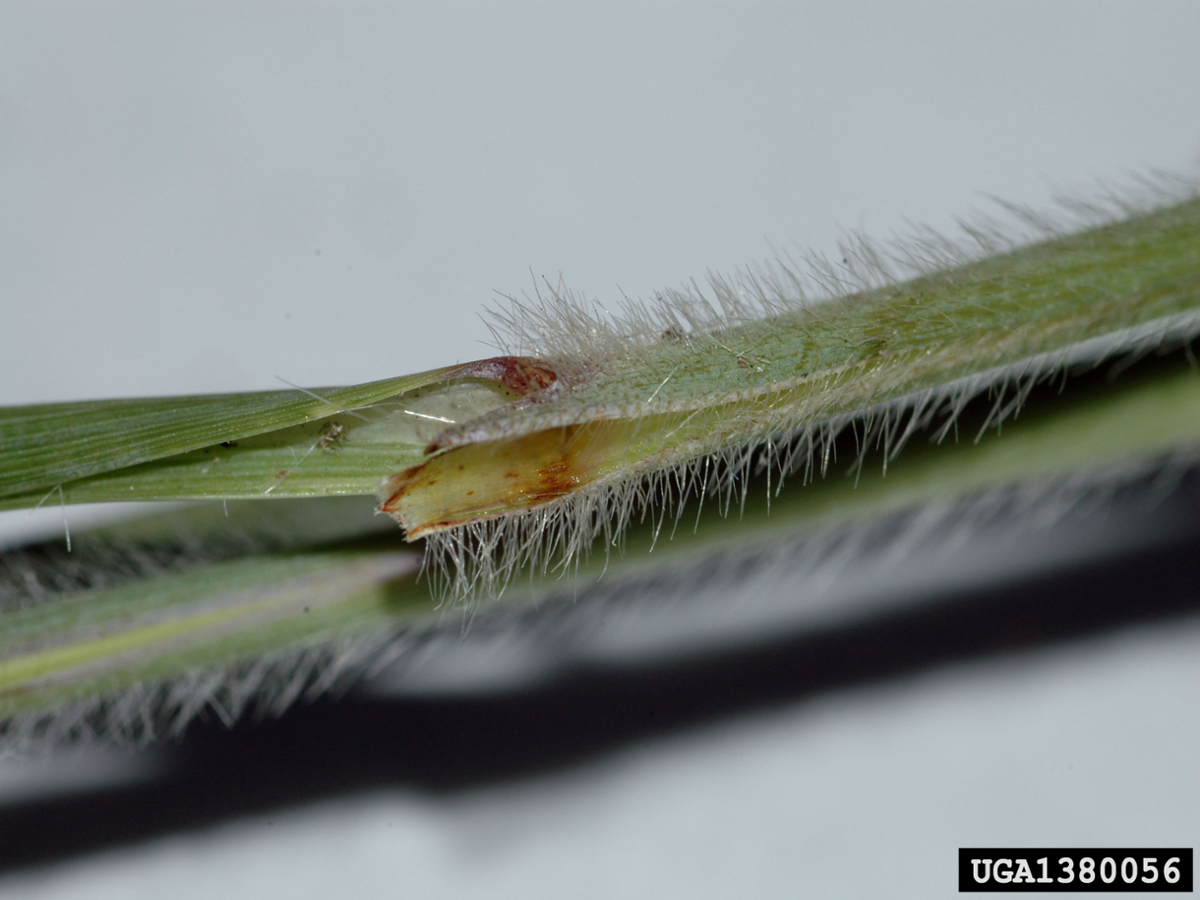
{"x": 46, "y": 445}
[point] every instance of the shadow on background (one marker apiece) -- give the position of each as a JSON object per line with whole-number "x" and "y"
{"x": 451, "y": 744}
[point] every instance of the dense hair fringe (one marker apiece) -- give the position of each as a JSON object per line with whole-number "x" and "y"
{"x": 577, "y": 333}
{"x": 480, "y": 559}
{"x": 262, "y": 688}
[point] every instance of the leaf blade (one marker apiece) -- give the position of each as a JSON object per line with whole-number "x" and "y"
{"x": 45, "y": 445}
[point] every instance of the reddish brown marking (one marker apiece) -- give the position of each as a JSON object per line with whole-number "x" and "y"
{"x": 520, "y": 374}
{"x": 398, "y": 486}
{"x": 525, "y": 376}
{"x": 532, "y": 470}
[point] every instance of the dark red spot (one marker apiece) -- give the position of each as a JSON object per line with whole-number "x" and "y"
{"x": 520, "y": 374}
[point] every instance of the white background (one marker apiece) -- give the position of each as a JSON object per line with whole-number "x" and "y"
{"x": 206, "y": 197}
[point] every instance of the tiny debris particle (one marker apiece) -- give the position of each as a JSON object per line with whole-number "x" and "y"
{"x": 332, "y": 436}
